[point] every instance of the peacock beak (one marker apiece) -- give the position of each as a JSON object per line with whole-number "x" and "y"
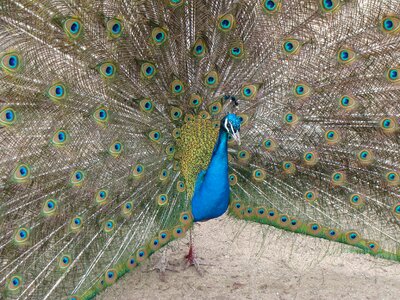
{"x": 236, "y": 137}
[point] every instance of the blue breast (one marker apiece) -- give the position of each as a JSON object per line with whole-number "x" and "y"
{"x": 211, "y": 195}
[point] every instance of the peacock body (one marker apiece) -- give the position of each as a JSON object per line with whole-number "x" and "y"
{"x": 120, "y": 120}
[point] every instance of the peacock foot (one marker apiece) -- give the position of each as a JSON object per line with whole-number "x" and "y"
{"x": 193, "y": 260}
{"x": 162, "y": 266}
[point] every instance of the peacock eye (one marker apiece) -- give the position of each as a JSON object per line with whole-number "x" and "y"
{"x": 73, "y": 28}
{"x": 108, "y": 70}
{"x": 114, "y": 28}
{"x": 159, "y": 36}
{"x": 226, "y": 23}
{"x": 271, "y": 6}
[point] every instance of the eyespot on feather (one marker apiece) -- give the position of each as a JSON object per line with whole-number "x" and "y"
{"x": 11, "y": 62}
{"x": 329, "y": 6}
{"x": 346, "y": 56}
{"x": 232, "y": 179}
{"x": 301, "y": 90}
{"x": 49, "y": 207}
{"x": 226, "y": 23}
{"x": 199, "y": 49}
{"x": 249, "y": 91}
{"x": 291, "y": 46}
{"x": 101, "y": 115}
{"x": 357, "y": 200}
{"x": 7, "y": 116}
{"x": 22, "y": 173}
{"x": 271, "y": 6}
{"x": 338, "y": 179}
{"x": 146, "y": 105}
{"x": 211, "y": 79}
{"x": 195, "y": 100}
{"x": 73, "y": 27}
{"x": 159, "y": 36}
{"x": 107, "y": 70}
{"x": 177, "y": 87}
{"x": 310, "y": 158}
{"x": 390, "y": 24}
{"x": 269, "y": 145}
{"x": 148, "y": 70}
{"x": 332, "y": 137}
{"x": 162, "y": 199}
{"x": 114, "y": 28}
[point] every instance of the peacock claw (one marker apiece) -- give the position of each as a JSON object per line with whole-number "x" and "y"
{"x": 162, "y": 266}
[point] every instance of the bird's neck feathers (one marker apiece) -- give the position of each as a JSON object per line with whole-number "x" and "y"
{"x": 211, "y": 196}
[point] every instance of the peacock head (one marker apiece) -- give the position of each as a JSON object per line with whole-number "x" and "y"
{"x": 231, "y": 124}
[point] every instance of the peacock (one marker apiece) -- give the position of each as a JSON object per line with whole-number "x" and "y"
{"x": 124, "y": 122}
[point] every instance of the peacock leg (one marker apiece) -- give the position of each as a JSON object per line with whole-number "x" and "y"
{"x": 163, "y": 265}
{"x": 191, "y": 258}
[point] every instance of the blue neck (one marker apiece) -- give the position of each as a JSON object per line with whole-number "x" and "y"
{"x": 211, "y": 195}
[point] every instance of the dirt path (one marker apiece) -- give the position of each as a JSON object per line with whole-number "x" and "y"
{"x": 248, "y": 261}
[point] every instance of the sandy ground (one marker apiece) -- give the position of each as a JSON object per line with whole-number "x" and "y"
{"x": 251, "y": 261}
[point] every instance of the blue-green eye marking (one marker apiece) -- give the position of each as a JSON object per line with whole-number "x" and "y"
{"x": 388, "y": 24}
{"x": 199, "y": 49}
{"x": 116, "y": 28}
{"x": 9, "y": 115}
{"x": 178, "y": 88}
{"x": 13, "y": 61}
{"x": 353, "y": 236}
{"x": 23, "y": 171}
{"x": 15, "y": 282}
{"x": 391, "y": 176}
{"x": 300, "y": 90}
{"x": 328, "y": 4}
{"x": 386, "y": 123}
{"x": 309, "y": 156}
{"x": 247, "y": 92}
{"x": 289, "y": 47}
{"x": 345, "y": 101}
{"x": 211, "y": 80}
{"x": 331, "y": 135}
{"x": 344, "y": 55}
{"x": 225, "y": 24}
{"x": 23, "y": 234}
{"x": 160, "y": 36}
{"x": 355, "y": 199}
{"x": 74, "y": 27}
{"x": 149, "y": 70}
{"x": 61, "y": 136}
{"x": 337, "y": 177}
{"x": 10, "y": 62}
{"x": 59, "y": 90}
{"x": 393, "y": 74}
{"x": 236, "y": 51}
{"x": 270, "y": 5}
{"x": 364, "y": 154}
{"x": 77, "y": 178}
{"x": 109, "y": 70}
{"x": 102, "y": 114}
{"x": 289, "y": 118}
